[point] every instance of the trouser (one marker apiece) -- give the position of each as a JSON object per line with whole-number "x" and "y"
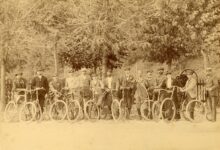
{"x": 41, "y": 98}
{"x": 212, "y": 101}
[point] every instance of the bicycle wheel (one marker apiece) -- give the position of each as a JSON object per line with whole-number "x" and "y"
{"x": 10, "y": 112}
{"x": 74, "y": 110}
{"x": 196, "y": 111}
{"x": 38, "y": 115}
{"x": 58, "y": 110}
{"x": 156, "y": 111}
{"x": 183, "y": 110}
{"x": 91, "y": 110}
{"x": 116, "y": 109}
{"x": 167, "y": 109}
{"x": 146, "y": 109}
{"x": 124, "y": 111}
{"x": 27, "y": 112}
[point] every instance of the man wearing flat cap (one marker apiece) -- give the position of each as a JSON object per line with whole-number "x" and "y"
{"x": 211, "y": 85}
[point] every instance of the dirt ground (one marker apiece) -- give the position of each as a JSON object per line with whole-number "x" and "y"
{"x": 110, "y": 135}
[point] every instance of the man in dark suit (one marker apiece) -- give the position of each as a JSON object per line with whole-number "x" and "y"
{"x": 40, "y": 82}
{"x": 128, "y": 88}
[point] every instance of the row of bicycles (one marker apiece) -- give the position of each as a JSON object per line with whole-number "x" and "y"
{"x": 68, "y": 105}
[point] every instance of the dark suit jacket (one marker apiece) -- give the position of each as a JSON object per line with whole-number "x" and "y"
{"x": 40, "y": 83}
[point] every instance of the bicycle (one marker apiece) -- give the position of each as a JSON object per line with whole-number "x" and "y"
{"x": 58, "y": 109}
{"x": 35, "y": 107}
{"x": 164, "y": 109}
{"x": 115, "y": 106}
{"x": 199, "y": 109}
{"x": 73, "y": 105}
{"x": 11, "y": 111}
{"x": 146, "y": 106}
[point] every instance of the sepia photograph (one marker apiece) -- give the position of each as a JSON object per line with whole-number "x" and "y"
{"x": 109, "y": 74}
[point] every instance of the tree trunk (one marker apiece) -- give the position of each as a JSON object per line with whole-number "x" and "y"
{"x": 104, "y": 63}
{"x": 206, "y": 60}
{"x": 2, "y": 100}
{"x": 169, "y": 65}
{"x": 55, "y": 61}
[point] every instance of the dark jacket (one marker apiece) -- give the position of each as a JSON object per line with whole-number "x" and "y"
{"x": 40, "y": 83}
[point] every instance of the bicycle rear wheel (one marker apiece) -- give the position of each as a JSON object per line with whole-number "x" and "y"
{"x": 168, "y": 110}
{"x": 196, "y": 111}
{"x": 156, "y": 111}
{"x": 27, "y": 112}
{"x": 11, "y": 112}
{"x": 74, "y": 110}
{"x": 58, "y": 110}
{"x": 146, "y": 110}
{"x": 91, "y": 110}
{"x": 116, "y": 109}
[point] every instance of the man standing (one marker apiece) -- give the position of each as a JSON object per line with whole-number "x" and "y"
{"x": 19, "y": 84}
{"x": 84, "y": 84}
{"x": 211, "y": 85}
{"x": 40, "y": 82}
{"x": 150, "y": 83}
{"x": 158, "y": 83}
{"x": 191, "y": 90}
{"x": 55, "y": 85}
{"x": 141, "y": 93}
{"x": 127, "y": 87}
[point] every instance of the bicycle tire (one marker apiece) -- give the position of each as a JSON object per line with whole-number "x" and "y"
{"x": 10, "y": 106}
{"x": 183, "y": 110}
{"x": 116, "y": 110}
{"x": 146, "y": 109}
{"x": 198, "y": 105}
{"x": 167, "y": 102}
{"x": 156, "y": 111}
{"x": 27, "y": 107}
{"x": 54, "y": 109}
{"x": 73, "y": 107}
{"x": 91, "y": 109}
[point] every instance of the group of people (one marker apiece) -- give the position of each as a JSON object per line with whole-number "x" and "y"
{"x": 134, "y": 89}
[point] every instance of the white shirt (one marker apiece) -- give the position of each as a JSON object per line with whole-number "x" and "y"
{"x": 109, "y": 82}
{"x": 169, "y": 83}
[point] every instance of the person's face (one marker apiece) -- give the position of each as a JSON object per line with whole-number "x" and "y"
{"x": 39, "y": 73}
{"x": 127, "y": 73}
{"x": 55, "y": 78}
{"x": 189, "y": 76}
{"x": 84, "y": 73}
{"x": 18, "y": 76}
{"x": 149, "y": 74}
{"x": 169, "y": 75}
{"x": 160, "y": 72}
{"x": 140, "y": 73}
{"x": 94, "y": 77}
{"x": 109, "y": 74}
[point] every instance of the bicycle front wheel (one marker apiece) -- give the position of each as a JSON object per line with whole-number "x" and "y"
{"x": 27, "y": 112}
{"x": 74, "y": 110}
{"x": 58, "y": 111}
{"x": 156, "y": 111}
{"x": 146, "y": 109}
{"x": 168, "y": 110}
{"x": 196, "y": 111}
{"x": 91, "y": 110}
{"x": 116, "y": 109}
{"x": 10, "y": 112}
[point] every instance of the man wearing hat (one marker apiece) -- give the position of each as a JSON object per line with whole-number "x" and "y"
{"x": 191, "y": 89}
{"x": 18, "y": 84}
{"x": 40, "y": 81}
{"x": 160, "y": 77}
{"x": 84, "y": 84}
{"x": 211, "y": 85}
{"x": 127, "y": 90}
{"x": 150, "y": 83}
{"x": 55, "y": 85}
{"x": 110, "y": 87}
